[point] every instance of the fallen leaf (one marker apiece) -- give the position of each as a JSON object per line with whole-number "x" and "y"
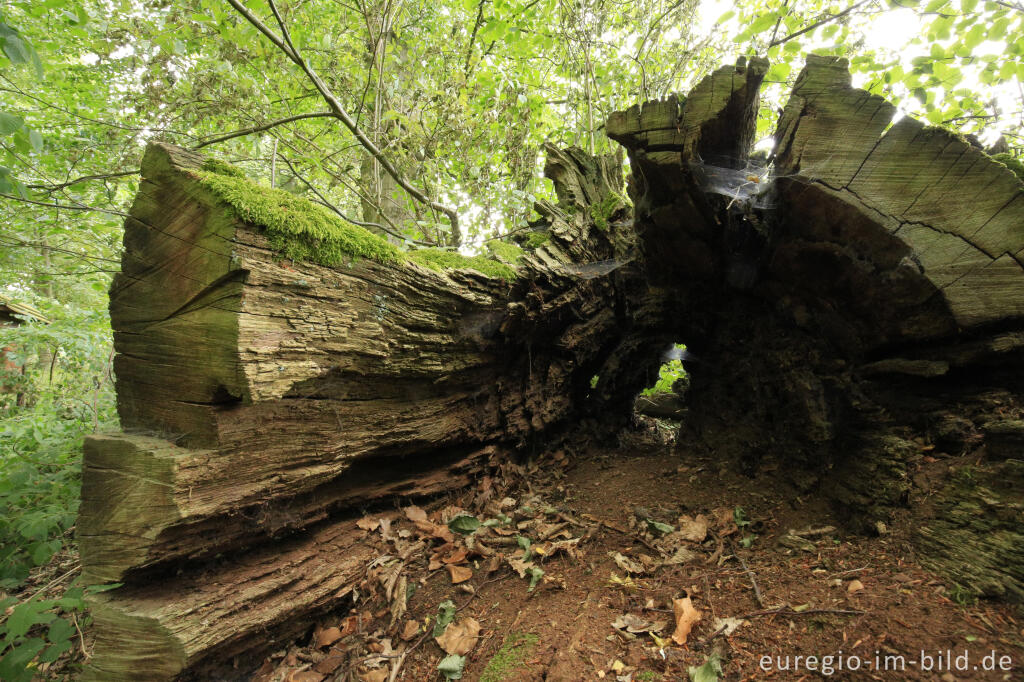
{"x": 708, "y": 672}
{"x": 464, "y": 524}
{"x": 636, "y": 624}
{"x": 445, "y": 615}
{"x": 727, "y": 625}
{"x": 328, "y": 637}
{"x": 686, "y": 617}
{"x": 854, "y": 586}
{"x": 460, "y": 574}
{"x": 451, "y": 666}
{"x": 367, "y": 523}
{"x": 304, "y": 676}
{"x": 725, "y": 521}
{"x": 680, "y": 556}
{"x": 328, "y": 665}
{"x": 460, "y": 638}
{"x": 456, "y": 557}
{"x": 349, "y": 625}
{"x": 378, "y": 675}
{"x": 693, "y": 529}
{"x": 416, "y": 514}
{"x": 412, "y": 627}
{"x": 627, "y": 564}
{"x": 618, "y": 666}
{"x": 520, "y": 566}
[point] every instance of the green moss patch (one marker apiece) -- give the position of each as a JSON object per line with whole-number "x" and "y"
{"x": 440, "y": 259}
{"x": 506, "y": 252}
{"x": 297, "y": 229}
{"x": 1012, "y": 163}
{"x": 535, "y": 240}
{"x": 513, "y": 652}
{"x": 602, "y": 212}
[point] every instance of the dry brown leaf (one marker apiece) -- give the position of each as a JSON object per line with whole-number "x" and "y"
{"x": 460, "y": 638}
{"x": 456, "y": 557}
{"x": 367, "y": 523}
{"x": 434, "y": 564}
{"x": 415, "y": 514}
{"x": 725, "y": 521}
{"x": 693, "y": 529}
{"x": 627, "y": 564}
{"x": 328, "y": 637}
{"x": 412, "y": 627}
{"x": 686, "y": 617}
{"x": 349, "y": 625}
{"x": 635, "y": 624}
{"x": 460, "y": 574}
{"x": 492, "y": 564}
{"x": 378, "y": 675}
{"x": 304, "y": 676}
{"x": 333, "y": 661}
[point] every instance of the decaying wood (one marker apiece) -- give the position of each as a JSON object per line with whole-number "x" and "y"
{"x": 262, "y": 400}
{"x": 838, "y": 308}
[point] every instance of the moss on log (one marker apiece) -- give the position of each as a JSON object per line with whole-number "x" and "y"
{"x": 841, "y": 312}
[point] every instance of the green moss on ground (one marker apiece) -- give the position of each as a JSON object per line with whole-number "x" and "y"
{"x": 506, "y": 252}
{"x": 602, "y": 212}
{"x": 513, "y": 652}
{"x": 1012, "y": 163}
{"x": 297, "y": 229}
{"x": 440, "y": 259}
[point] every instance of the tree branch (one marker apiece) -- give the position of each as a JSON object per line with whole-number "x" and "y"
{"x": 64, "y": 207}
{"x": 284, "y": 43}
{"x": 265, "y": 126}
{"x": 808, "y": 29}
{"x": 84, "y": 178}
{"x": 337, "y": 210}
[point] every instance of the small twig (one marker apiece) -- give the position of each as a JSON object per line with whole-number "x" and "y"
{"x": 81, "y": 637}
{"x": 750, "y": 574}
{"x": 852, "y": 570}
{"x": 44, "y": 588}
{"x": 789, "y": 611}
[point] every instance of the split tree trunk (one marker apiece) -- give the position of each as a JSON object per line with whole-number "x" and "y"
{"x": 841, "y": 313}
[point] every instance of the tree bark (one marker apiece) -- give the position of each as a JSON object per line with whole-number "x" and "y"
{"x": 844, "y": 313}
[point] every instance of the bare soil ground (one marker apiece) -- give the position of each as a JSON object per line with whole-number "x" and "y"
{"x": 690, "y": 537}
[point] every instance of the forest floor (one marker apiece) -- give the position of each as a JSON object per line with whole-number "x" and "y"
{"x": 634, "y": 542}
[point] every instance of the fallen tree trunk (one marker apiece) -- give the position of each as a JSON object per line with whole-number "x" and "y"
{"x": 275, "y": 370}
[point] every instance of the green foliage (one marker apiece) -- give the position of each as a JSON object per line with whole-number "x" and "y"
{"x": 298, "y": 229}
{"x": 603, "y": 211}
{"x": 955, "y": 54}
{"x": 668, "y": 374}
{"x": 1012, "y": 163}
{"x": 445, "y": 615}
{"x": 39, "y": 630}
{"x": 451, "y": 666}
{"x": 708, "y": 672}
{"x": 61, "y": 373}
{"x": 440, "y": 260}
{"x": 464, "y": 524}
{"x": 513, "y": 652}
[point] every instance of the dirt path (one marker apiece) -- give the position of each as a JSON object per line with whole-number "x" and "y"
{"x": 861, "y": 601}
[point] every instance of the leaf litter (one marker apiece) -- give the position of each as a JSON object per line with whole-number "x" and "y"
{"x": 527, "y": 552}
